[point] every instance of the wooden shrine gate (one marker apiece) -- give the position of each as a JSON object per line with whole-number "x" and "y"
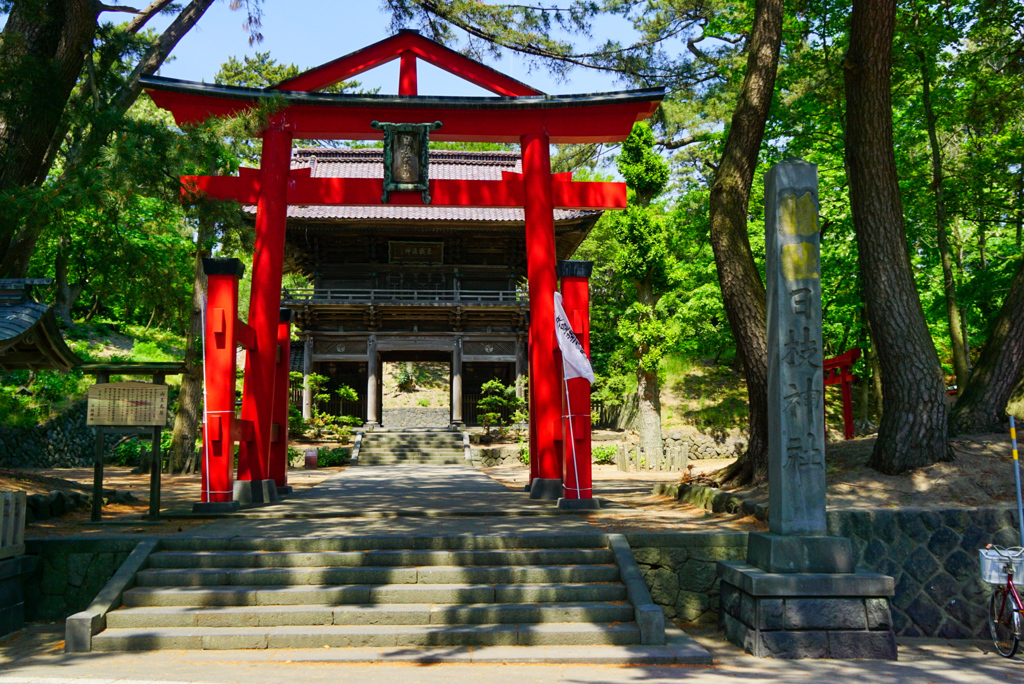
{"x": 517, "y": 114}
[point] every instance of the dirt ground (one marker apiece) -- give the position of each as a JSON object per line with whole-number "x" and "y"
{"x": 176, "y": 491}
{"x": 632, "y": 505}
{"x": 979, "y": 474}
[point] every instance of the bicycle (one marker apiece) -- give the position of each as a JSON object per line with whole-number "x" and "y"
{"x": 999, "y": 565}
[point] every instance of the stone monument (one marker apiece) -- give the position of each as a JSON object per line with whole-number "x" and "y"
{"x": 798, "y": 595}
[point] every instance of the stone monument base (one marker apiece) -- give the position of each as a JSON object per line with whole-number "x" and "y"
{"x": 783, "y": 553}
{"x": 806, "y": 615}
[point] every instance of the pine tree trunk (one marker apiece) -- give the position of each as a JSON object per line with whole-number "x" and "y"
{"x": 913, "y": 427}
{"x": 59, "y": 42}
{"x": 66, "y": 293}
{"x": 42, "y": 49}
{"x": 743, "y": 290}
{"x": 961, "y": 365}
{"x": 982, "y": 405}
{"x": 649, "y": 414}
{"x": 188, "y": 416}
{"x": 648, "y": 391}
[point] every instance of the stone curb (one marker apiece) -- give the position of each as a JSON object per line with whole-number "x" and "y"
{"x": 356, "y": 446}
{"x": 467, "y": 449}
{"x": 80, "y": 627}
{"x": 649, "y": 617}
{"x": 711, "y": 499}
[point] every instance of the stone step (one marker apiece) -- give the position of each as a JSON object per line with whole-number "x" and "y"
{"x": 411, "y": 460}
{"x": 452, "y": 542}
{"x": 323, "y": 559}
{"x": 429, "y": 442}
{"x": 372, "y": 594}
{"x": 386, "y": 614}
{"x": 340, "y": 636}
{"x": 431, "y": 574}
{"x": 411, "y": 452}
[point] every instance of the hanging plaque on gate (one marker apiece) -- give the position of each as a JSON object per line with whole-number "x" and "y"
{"x": 406, "y": 157}
{"x": 127, "y": 404}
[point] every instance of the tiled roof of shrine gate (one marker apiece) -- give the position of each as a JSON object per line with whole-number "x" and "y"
{"x": 328, "y": 162}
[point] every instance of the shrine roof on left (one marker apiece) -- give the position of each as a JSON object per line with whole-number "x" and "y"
{"x": 29, "y": 336}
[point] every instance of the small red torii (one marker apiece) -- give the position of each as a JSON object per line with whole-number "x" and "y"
{"x": 837, "y": 372}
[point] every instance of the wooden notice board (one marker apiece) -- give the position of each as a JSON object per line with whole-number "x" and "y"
{"x": 127, "y": 404}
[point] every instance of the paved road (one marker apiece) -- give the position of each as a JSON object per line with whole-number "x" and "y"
{"x": 33, "y": 657}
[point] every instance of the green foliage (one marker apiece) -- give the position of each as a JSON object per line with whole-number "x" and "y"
{"x": 604, "y": 454}
{"x": 333, "y": 458}
{"x": 405, "y": 378}
{"x": 127, "y": 453}
{"x": 296, "y": 426}
{"x": 645, "y": 171}
{"x": 32, "y": 398}
{"x": 321, "y": 422}
{"x": 496, "y": 399}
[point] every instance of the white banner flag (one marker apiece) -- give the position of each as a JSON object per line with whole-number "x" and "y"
{"x": 574, "y": 359}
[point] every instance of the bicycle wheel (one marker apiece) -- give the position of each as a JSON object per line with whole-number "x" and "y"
{"x": 1001, "y": 622}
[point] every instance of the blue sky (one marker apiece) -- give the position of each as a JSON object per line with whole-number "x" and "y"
{"x": 311, "y": 32}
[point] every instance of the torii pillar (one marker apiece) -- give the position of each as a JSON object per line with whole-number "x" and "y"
{"x": 545, "y": 374}
{"x": 254, "y": 482}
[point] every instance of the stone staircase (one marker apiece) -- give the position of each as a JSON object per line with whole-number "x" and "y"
{"x": 394, "y": 448}
{"x": 373, "y": 592}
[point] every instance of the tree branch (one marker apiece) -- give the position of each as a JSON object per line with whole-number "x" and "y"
{"x": 155, "y": 7}
{"x": 100, "y": 7}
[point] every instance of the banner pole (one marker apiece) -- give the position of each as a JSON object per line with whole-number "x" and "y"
{"x": 572, "y": 439}
{"x": 1016, "y": 477}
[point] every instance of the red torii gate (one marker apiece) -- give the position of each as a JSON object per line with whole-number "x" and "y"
{"x": 520, "y": 114}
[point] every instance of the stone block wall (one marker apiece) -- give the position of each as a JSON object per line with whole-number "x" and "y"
{"x": 64, "y": 441}
{"x": 696, "y": 445}
{"x": 495, "y": 456}
{"x": 932, "y": 554}
{"x": 70, "y": 573}
{"x": 12, "y": 592}
{"x": 680, "y": 570}
{"x": 416, "y": 416}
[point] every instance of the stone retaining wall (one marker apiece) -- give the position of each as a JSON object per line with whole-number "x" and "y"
{"x": 680, "y": 571}
{"x": 495, "y": 456}
{"x": 689, "y": 443}
{"x": 416, "y": 416}
{"x": 70, "y": 573}
{"x": 64, "y": 441}
{"x": 932, "y": 554}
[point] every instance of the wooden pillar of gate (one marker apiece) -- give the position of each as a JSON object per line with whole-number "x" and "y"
{"x": 264, "y": 308}
{"x": 279, "y": 428}
{"x": 576, "y": 302}
{"x": 545, "y": 375}
{"x": 220, "y": 339}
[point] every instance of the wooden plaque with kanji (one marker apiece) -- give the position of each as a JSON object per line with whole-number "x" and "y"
{"x": 127, "y": 404}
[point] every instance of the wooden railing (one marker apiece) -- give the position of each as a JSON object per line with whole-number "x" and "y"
{"x": 12, "y": 524}
{"x": 293, "y": 297}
